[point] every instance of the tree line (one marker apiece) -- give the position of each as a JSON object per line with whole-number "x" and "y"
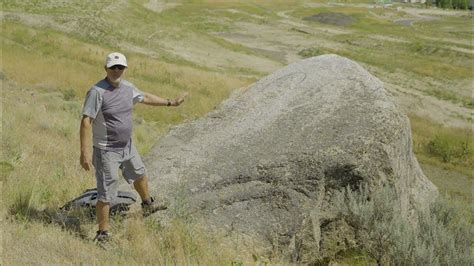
{"x": 454, "y": 4}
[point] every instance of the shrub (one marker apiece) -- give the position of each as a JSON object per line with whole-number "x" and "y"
{"x": 446, "y": 147}
{"x": 449, "y": 149}
{"x": 423, "y": 49}
{"x": 22, "y": 208}
{"x": 310, "y": 52}
{"x": 441, "y": 236}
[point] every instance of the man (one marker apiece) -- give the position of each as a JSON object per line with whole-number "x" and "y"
{"x": 107, "y": 121}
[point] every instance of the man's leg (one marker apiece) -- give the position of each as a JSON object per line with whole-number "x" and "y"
{"x": 149, "y": 205}
{"x": 106, "y": 165}
{"x": 141, "y": 186}
{"x": 102, "y": 212}
{"x": 134, "y": 171}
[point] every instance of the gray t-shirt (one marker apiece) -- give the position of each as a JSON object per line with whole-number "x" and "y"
{"x": 111, "y": 111}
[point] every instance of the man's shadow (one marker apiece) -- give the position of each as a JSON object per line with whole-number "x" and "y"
{"x": 21, "y": 210}
{"x": 69, "y": 217}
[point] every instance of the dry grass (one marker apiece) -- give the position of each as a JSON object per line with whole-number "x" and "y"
{"x": 46, "y": 75}
{"x": 72, "y": 64}
{"x": 55, "y": 62}
{"x": 136, "y": 242}
{"x": 50, "y": 59}
{"x": 39, "y": 141}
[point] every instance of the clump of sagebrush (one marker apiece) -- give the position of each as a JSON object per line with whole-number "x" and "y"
{"x": 446, "y": 147}
{"x": 442, "y": 234}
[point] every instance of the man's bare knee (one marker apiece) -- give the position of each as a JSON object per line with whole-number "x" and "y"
{"x": 102, "y": 204}
{"x": 141, "y": 178}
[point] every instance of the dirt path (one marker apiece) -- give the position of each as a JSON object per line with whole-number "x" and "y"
{"x": 411, "y": 21}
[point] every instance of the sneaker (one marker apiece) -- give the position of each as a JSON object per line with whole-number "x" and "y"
{"x": 152, "y": 206}
{"x": 102, "y": 237}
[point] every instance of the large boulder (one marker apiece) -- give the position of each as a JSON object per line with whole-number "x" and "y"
{"x": 262, "y": 167}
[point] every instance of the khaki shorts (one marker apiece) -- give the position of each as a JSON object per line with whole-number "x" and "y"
{"x": 107, "y": 165}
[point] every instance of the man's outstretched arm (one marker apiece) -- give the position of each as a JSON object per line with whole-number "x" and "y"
{"x": 154, "y": 100}
{"x": 86, "y": 136}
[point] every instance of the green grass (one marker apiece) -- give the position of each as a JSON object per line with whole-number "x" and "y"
{"x": 449, "y": 26}
{"x": 413, "y": 58}
{"x": 421, "y": 56}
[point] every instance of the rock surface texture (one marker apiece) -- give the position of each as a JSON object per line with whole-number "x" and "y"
{"x": 262, "y": 167}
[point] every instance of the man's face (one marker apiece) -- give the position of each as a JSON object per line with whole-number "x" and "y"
{"x": 115, "y": 72}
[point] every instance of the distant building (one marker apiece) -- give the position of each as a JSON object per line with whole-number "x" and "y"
{"x": 414, "y": 1}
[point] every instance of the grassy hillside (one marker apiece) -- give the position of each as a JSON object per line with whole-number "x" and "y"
{"x": 46, "y": 73}
{"x": 53, "y": 51}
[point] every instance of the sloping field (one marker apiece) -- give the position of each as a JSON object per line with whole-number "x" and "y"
{"x": 432, "y": 58}
{"x": 53, "y": 51}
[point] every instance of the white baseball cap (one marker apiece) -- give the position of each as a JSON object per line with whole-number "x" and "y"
{"x": 115, "y": 59}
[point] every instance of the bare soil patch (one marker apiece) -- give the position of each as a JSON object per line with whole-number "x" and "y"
{"x": 410, "y": 21}
{"x": 281, "y": 41}
{"x": 331, "y": 18}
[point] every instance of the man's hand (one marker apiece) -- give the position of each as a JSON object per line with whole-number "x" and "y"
{"x": 86, "y": 161}
{"x": 151, "y": 99}
{"x": 180, "y": 99}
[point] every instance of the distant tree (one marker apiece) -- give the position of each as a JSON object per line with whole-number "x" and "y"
{"x": 455, "y": 4}
{"x": 444, "y": 3}
{"x": 462, "y": 4}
